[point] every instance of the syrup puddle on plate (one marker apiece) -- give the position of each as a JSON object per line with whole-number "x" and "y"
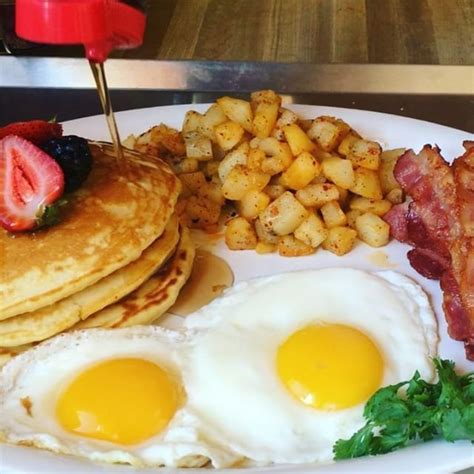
{"x": 210, "y": 276}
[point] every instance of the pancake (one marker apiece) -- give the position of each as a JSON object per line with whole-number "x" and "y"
{"x": 154, "y": 297}
{"x": 115, "y": 215}
{"x": 52, "y": 319}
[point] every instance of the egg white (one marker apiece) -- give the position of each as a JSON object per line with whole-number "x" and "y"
{"x": 40, "y": 374}
{"x": 233, "y": 387}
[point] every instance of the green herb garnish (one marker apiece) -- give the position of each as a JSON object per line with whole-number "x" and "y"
{"x": 414, "y": 410}
{"x": 51, "y": 214}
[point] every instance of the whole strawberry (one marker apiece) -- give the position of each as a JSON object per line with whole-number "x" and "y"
{"x": 35, "y": 131}
{"x": 30, "y": 182}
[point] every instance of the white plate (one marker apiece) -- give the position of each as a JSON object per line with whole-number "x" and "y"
{"x": 392, "y": 132}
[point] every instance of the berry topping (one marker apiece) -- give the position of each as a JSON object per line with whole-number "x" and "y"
{"x": 30, "y": 181}
{"x": 73, "y": 156}
{"x": 35, "y": 131}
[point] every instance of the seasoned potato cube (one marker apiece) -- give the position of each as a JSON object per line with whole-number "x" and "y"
{"x": 233, "y": 158}
{"x": 312, "y": 231}
{"x": 240, "y": 180}
{"x": 212, "y": 191}
{"x": 228, "y": 134}
{"x": 343, "y": 195}
{"x": 283, "y": 215}
{"x": 192, "y": 122}
{"x": 345, "y": 146}
{"x": 395, "y": 196}
{"x": 265, "y": 235}
{"x": 351, "y": 216}
{"x": 252, "y": 204}
{"x": 333, "y": 215}
{"x": 289, "y": 246}
{"x": 211, "y": 168}
{"x": 213, "y": 117}
{"x": 301, "y": 172}
{"x": 278, "y": 155}
{"x": 202, "y": 212}
{"x": 297, "y": 139}
{"x": 287, "y": 117}
{"x": 372, "y": 230}
{"x": 240, "y": 234}
{"x": 255, "y": 158}
{"x": 328, "y": 132}
{"x": 265, "y": 247}
{"x": 237, "y": 110}
{"x": 366, "y": 184}
{"x": 193, "y": 181}
{"x": 340, "y": 240}
{"x": 339, "y": 171}
{"x": 366, "y": 154}
{"x": 388, "y": 161}
{"x": 305, "y": 124}
{"x": 266, "y": 96}
{"x": 265, "y": 118}
{"x": 315, "y": 195}
{"x": 198, "y": 146}
{"x": 274, "y": 191}
{"x": 129, "y": 142}
{"x": 186, "y": 165}
{"x": 377, "y": 207}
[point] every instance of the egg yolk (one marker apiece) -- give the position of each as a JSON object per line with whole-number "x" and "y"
{"x": 330, "y": 367}
{"x": 124, "y": 401}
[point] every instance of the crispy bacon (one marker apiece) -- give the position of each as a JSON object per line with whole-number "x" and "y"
{"x": 439, "y": 223}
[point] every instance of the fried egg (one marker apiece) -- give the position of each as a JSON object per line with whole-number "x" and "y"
{"x": 281, "y": 367}
{"x": 115, "y": 396}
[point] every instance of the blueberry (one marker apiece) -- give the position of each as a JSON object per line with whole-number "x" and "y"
{"x": 73, "y": 155}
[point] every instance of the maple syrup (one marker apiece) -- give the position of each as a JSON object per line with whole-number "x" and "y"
{"x": 104, "y": 96}
{"x": 210, "y": 276}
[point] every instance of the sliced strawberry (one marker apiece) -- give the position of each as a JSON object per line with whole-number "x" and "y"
{"x": 30, "y": 180}
{"x": 36, "y": 131}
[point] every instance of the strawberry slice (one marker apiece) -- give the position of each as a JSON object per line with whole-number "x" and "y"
{"x": 30, "y": 180}
{"x": 36, "y": 131}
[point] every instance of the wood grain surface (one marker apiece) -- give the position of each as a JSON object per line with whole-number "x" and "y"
{"x": 317, "y": 31}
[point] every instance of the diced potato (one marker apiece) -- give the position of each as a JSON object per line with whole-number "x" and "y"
{"x": 366, "y": 154}
{"x": 211, "y": 168}
{"x": 266, "y": 96}
{"x": 366, "y": 183}
{"x": 305, "y": 124}
{"x": 202, "y": 212}
{"x": 320, "y": 179}
{"x": 333, "y": 215}
{"x": 265, "y": 235}
{"x": 377, "y": 207}
{"x": 340, "y": 240}
{"x": 315, "y": 195}
{"x": 192, "y": 122}
{"x": 343, "y": 195}
{"x": 252, "y": 204}
{"x": 328, "y": 132}
{"x": 228, "y": 134}
{"x": 395, "y": 196}
{"x": 213, "y": 117}
{"x": 255, "y": 142}
{"x": 198, "y": 146}
{"x": 339, "y": 171}
{"x": 312, "y": 231}
{"x": 237, "y": 110}
{"x": 129, "y": 142}
{"x": 233, "y": 158}
{"x": 388, "y": 161}
{"x": 283, "y": 215}
{"x": 351, "y": 216}
{"x": 255, "y": 158}
{"x": 161, "y": 139}
{"x": 193, "y": 181}
{"x": 240, "y": 180}
{"x": 287, "y": 117}
{"x": 297, "y": 139}
{"x": 264, "y": 247}
{"x": 274, "y": 191}
{"x": 265, "y": 118}
{"x": 289, "y": 246}
{"x": 186, "y": 165}
{"x": 345, "y": 146}
{"x": 373, "y": 230}
{"x": 212, "y": 191}
{"x": 278, "y": 155}
{"x": 240, "y": 234}
{"x": 301, "y": 172}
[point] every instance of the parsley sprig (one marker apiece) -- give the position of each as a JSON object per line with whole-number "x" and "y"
{"x": 414, "y": 410}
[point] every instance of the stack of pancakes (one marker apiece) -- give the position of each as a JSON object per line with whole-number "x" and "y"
{"x": 118, "y": 257}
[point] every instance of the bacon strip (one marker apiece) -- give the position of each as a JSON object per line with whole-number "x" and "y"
{"x": 439, "y": 223}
